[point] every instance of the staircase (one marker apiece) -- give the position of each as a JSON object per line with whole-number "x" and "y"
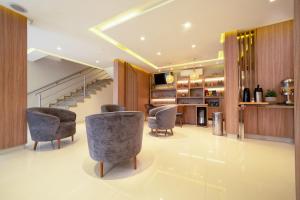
{"x": 69, "y": 91}
{"x": 78, "y": 96}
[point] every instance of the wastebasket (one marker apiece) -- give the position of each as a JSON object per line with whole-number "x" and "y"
{"x": 217, "y": 123}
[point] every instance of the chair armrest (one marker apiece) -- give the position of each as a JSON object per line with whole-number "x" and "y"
{"x": 42, "y": 125}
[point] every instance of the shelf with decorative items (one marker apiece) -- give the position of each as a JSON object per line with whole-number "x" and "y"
{"x": 214, "y": 92}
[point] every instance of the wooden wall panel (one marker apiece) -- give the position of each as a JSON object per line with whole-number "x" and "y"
{"x": 231, "y": 95}
{"x": 297, "y": 93}
{"x": 250, "y": 120}
{"x": 275, "y": 122}
{"x": 274, "y": 55}
{"x": 13, "y": 78}
{"x": 131, "y": 86}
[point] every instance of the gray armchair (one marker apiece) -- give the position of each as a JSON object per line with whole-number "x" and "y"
{"x": 114, "y": 137}
{"x": 162, "y": 118}
{"x": 48, "y": 124}
{"x": 111, "y": 108}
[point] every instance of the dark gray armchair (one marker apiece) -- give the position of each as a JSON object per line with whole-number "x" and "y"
{"x": 48, "y": 124}
{"x": 111, "y": 108}
{"x": 162, "y": 118}
{"x": 114, "y": 137}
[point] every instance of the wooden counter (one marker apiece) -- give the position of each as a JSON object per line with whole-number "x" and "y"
{"x": 189, "y": 111}
{"x": 268, "y": 121}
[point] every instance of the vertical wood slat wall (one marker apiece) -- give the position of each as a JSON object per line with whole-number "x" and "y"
{"x": 297, "y": 93}
{"x": 274, "y": 63}
{"x": 13, "y": 78}
{"x": 231, "y": 95}
{"x": 131, "y": 86}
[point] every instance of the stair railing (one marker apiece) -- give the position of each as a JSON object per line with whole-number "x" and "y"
{"x": 58, "y": 89}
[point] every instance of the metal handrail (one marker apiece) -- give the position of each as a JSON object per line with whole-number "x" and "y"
{"x": 83, "y": 76}
{"x": 60, "y": 80}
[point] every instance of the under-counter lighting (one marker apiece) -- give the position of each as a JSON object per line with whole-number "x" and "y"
{"x": 214, "y": 79}
{"x": 163, "y": 100}
{"x": 196, "y": 81}
{"x": 183, "y": 82}
{"x": 215, "y": 89}
{"x": 183, "y": 91}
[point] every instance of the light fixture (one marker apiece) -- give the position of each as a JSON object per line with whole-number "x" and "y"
{"x": 215, "y": 89}
{"x": 187, "y": 25}
{"x": 142, "y": 38}
{"x": 183, "y": 91}
{"x": 97, "y": 61}
{"x": 163, "y": 100}
{"x": 194, "y": 75}
{"x": 192, "y": 63}
{"x": 272, "y": 1}
{"x": 170, "y": 78}
{"x": 222, "y": 38}
{"x": 158, "y": 53}
{"x": 193, "y": 46}
{"x": 221, "y": 54}
{"x": 58, "y": 48}
{"x": 182, "y": 81}
{"x": 196, "y": 81}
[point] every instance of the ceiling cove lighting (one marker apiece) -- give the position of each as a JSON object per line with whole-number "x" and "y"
{"x": 122, "y": 47}
{"x": 130, "y": 14}
{"x": 222, "y": 38}
{"x": 31, "y": 50}
{"x": 192, "y": 63}
{"x": 123, "y": 17}
{"x": 214, "y": 79}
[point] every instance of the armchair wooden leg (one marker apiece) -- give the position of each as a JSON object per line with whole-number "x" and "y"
{"x": 35, "y": 145}
{"x": 134, "y": 163}
{"x": 156, "y": 132}
{"x": 172, "y": 131}
{"x": 58, "y": 143}
{"x": 72, "y": 138}
{"x": 101, "y": 168}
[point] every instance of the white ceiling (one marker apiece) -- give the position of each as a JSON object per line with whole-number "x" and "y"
{"x": 65, "y": 23}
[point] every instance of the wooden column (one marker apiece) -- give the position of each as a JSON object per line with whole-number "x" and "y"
{"x": 231, "y": 96}
{"x": 297, "y": 93}
{"x": 131, "y": 86}
{"x": 13, "y": 78}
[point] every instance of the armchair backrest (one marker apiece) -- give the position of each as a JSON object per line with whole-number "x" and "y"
{"x": 111, "y": 108}
{"x": 115, "y": 136}
{"x": 166, "y": 116}
{"x": 62, "y": 114}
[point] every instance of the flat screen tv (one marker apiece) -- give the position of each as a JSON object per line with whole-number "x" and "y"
{"x": 160, "y": 79}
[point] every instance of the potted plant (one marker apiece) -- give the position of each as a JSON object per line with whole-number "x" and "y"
{"x": 271, "y": 96}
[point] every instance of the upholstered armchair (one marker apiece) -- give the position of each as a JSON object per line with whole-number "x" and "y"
{"x": 114, "y": 137}
{"x": 111, "y": 108}
{"x": 162, "y": 118}
{"x": 48, "y": 124}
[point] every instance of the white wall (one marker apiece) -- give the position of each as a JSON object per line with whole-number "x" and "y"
{"x": 45, "y": 71}
{"x": 93, "y": 105}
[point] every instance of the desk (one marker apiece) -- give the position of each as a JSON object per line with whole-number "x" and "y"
{"x": 269, "y": 120}
{"x": 190, "y": 112}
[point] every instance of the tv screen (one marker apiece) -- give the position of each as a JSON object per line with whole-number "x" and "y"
{"x": 160, "y": 79}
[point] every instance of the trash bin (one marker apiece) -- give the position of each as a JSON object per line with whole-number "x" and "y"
{"x": 217, "y": 123}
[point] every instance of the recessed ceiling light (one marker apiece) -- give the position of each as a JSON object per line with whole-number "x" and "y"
{"x": 272, "y": 1}
{"x": 158, "y": 53}
{"x": 187, "y": 25}
{"x": 142, "y": 38}
{"x": 97, "y": 61}
{"x": 58, "y": 48}
{"x": 193, "y": 46}
{"x": 171, "y": 68}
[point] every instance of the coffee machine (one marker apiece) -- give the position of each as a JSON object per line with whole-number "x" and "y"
{"x": 287, "y": 90}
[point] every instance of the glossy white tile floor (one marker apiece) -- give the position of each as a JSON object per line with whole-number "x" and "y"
{"x": 192, "y": 164}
